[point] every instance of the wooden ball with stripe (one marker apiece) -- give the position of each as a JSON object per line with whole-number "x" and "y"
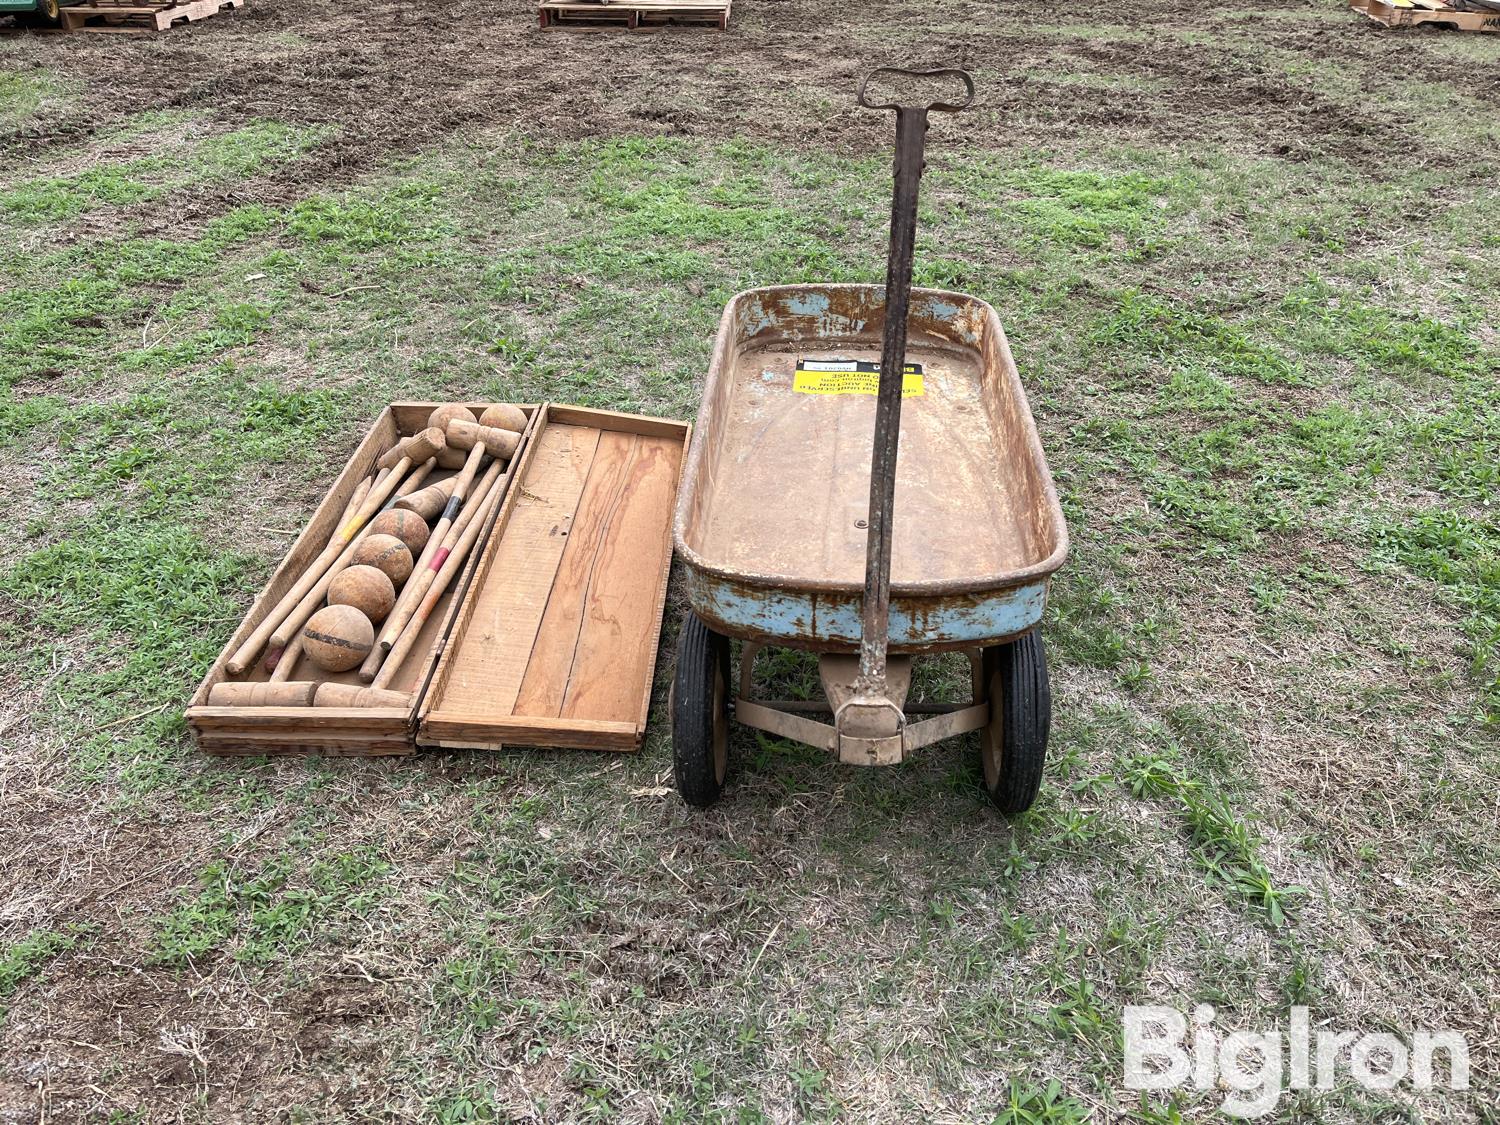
{"x": 366, "y": 589}
{"x": 384, "y": 552}
{"x": 338, "y": 638}
{"x": 405, "y": 525}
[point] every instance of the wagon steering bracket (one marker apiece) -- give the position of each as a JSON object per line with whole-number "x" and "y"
{"x": 854, "y": 741}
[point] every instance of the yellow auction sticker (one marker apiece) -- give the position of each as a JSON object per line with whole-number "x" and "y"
{"x": 851, "y": 377}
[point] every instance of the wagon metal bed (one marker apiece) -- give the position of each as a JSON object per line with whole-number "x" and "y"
{"x": 789, "y": 512}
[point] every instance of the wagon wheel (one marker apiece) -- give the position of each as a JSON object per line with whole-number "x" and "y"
{"x": 1013, "y": 745}
{"x": 700, "y": 713}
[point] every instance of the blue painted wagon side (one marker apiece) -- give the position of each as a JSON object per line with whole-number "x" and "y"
{"x": 827, "y": 621}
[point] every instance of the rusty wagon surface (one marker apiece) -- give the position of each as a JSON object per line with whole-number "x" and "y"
{"x": 771, "y": 519}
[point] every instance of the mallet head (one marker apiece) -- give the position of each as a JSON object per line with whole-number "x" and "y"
{"x": 418, "y": 447}
{"x": 499, "y": 444}
{"x": 428, "y": 502}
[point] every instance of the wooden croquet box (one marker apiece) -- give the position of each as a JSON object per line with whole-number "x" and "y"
{"x": 549, "y": 635}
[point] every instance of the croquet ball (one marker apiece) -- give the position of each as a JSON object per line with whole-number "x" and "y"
{"x": 406, "y": 526}
{"x": 504, "y": 416}
{"x": 338, "y": 637}
{"x": 445, "y": 414}
{"x": 366, "y": 589}
{"x": 384, "y": 552}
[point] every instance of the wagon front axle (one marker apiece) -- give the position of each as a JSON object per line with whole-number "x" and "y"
{"x": 853, "y": 736}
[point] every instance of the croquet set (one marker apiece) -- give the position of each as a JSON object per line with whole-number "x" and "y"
{"x": 865, "y": 482}
{"x": 512, "y": 567}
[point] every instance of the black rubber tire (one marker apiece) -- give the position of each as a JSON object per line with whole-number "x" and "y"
{"x": 45, "y": 15}
{"x": 1013, "y": 746}
{"x": 700, "y": 713}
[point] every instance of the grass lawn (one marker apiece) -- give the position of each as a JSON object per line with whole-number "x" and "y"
{"x": 1266, "y": 372}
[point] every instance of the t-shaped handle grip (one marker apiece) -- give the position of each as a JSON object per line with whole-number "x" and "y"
{"x": 902, "y": 72}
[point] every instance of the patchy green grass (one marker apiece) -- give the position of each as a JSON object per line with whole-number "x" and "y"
{"x": 1269, "y": 404}
{"x": 26, "y": 958}
{"x": 211, "y": 162}
{"x": 64, "y": 313}
{"x": 25, "y": 95}
{"x": 1461, "y": 555}
{"x": 269, "y": 915}
{"x": 1224, "y": 842}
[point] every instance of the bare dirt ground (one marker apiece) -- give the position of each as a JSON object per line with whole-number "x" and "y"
{"x": 396, "y": 77}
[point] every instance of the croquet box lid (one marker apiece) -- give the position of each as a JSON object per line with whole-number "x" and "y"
{"x": 548, "y": 635}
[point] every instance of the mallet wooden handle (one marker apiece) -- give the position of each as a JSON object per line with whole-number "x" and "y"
{"x": 421, "y": 581}
{"x": 411, "y": 483}
{"x": 245, "y": 655}
{"x": 498, "y": 443}
{"x": 438, "y": 545}
{"x": 460, "y": 433}
{"x": 439, "y": 585}
{"x": 353, "y": 695}
{"x": 417, "y": 585}
{"x": 310, "y": 604}
{"x": 314, "y": 600}
{"x": 286, "y": 662}
{"x": 357, "y": 499}
{"x": 430, "y": 501}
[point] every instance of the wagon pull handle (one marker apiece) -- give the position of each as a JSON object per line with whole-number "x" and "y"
{"x": 902, "y": 72}
{"x": 869, "y": 705}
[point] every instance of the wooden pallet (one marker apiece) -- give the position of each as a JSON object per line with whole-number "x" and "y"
{"x": 632, "y": 15}
{"x": 135, "y": 17}
{"x": 1388, "y": 15}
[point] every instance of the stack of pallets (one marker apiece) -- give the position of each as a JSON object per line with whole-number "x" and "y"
{"x": 1461, "y": 15}
{"x": 127, "y": 17}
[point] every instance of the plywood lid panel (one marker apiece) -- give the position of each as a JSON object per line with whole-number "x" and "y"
{"x": 556, "y": 642}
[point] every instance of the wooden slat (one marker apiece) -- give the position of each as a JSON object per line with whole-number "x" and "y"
{"x": 1389, "y": 15}
{"x": 194, "y": 10}
{"x": 479, "y": 731}
{"x": 623, "y": 623}
{"x": 128, "y": 18}
{"x": 632, "y": 15}
{"x": 594, "y": 645}
{"x": 296, "y": 746}
{"x": 614, "y": 420}
{"x": 113, "y": 10}
{"x": 638, "y": 5}
{"x": 301, "y": 730}
{"x": 549, "y": 670}
{"x": 663, "y": 577}
{"x": 489, "y": 658}
{"x": 310, "y": 718}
